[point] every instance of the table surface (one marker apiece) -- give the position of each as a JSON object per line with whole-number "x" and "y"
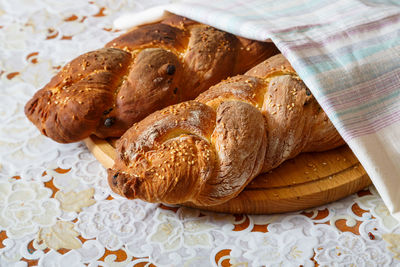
{"x": 56, "y": 207}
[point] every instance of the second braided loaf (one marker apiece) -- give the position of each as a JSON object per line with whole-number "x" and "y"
{"x": 206, "y": 151}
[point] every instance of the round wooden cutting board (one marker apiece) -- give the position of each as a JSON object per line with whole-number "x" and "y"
{"x": 309, "y": 180}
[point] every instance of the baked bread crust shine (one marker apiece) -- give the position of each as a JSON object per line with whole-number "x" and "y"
{"x": 104, "y": 92}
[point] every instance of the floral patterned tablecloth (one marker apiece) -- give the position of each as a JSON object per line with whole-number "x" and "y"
{"x": 57, "y": 210}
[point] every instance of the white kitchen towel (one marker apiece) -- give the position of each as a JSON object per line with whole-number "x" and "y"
{"x": 346, "y": 51}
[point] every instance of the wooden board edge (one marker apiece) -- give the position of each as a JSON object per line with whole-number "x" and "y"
{"x": 292, "y": 204}
{"x": 101, "y": 150}
{"x": 105, "y": 154}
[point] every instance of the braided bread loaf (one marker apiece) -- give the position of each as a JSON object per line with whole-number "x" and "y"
{"x": 206, "y": 151}
{"x": 104, "y": 92}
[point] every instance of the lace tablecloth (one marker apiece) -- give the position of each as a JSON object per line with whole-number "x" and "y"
{"x": 55, "y": 205}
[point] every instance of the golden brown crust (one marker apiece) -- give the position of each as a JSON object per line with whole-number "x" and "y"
{"x": 239, "y": 139}
{"x": 140, "y": 94}
{"x": 204, "y": 68}
{"x": 150, "y": 67}
{"x": 152, "y": 35}
{"x": 178, "y": 21}
{"x": 206, "y": 151}
{"x": 72, "y": 104}
{"x": 166, "y": 151}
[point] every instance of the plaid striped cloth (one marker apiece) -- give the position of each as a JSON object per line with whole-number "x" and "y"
{"x": 346, "y": 51}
